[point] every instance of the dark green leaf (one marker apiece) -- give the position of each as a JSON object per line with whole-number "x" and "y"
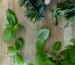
{"x": 19, "y": 44}
{"x": 12, "y": 50}
{"x": 68, "y": 46}
{"x": 8, "y": 34}
{"x": 18, "y": 26}
{"x": 72, "y": 54}
{"x": 43, "y": 34}
{"x": 35, "y": 9}
{"x": 30, "y": 64}
{"x": 11, "y": 17}
{"x": 56, "y": 46}
{"x": 66, "y": 62}
{"x": 65, "y": 53}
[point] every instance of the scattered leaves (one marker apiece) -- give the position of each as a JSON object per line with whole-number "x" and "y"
{"x": 10, "y": 30}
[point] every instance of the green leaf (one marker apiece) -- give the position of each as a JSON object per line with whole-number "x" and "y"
{"x": 19, "y": 59}
{"x": 9, "y": 26}
{"x": 18, "y": 26}
{"x": 43, "y": 34}
{"x": 56, "y": 46}
{"x": 66, "y": 62}
{"x": 55, "y": 15}
{"x": 40, "y": 45}
{"x": 30, "y": 64}
{"x": 8, "y": 34}
{"x": 68, "y": 46}
{"x": 72, "y": 54}
{"x": 11, "y": 17}
{"x": 65, "y": 53}
{"x": 14, "y": 58}
{"x": 41, "y": 59}
{"x": 12, "y": 50}
{"x": 19, "y": 44}
{"x": 35, "y": 9}
{"x": 72, "y": 40}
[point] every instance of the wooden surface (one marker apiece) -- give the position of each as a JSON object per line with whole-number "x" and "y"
{"x": 58, "y": 33}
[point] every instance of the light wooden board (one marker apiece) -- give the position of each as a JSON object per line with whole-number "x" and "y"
{"x": 58, "y": 33}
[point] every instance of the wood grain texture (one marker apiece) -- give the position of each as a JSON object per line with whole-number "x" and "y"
{"x": 58, "y": 33}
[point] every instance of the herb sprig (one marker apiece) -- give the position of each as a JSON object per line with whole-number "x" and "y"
{"x": 65, "y": 8}
{"x": 64, "y": 57}
{"x": 18, "y": 45}
{"x": 35, "y": 9}
{"x": 10, "y": 30}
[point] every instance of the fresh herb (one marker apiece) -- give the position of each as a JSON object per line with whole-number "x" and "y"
{"x": 65, "y": 8}
{"x": 18, "y": 44}
{"x": 43, "y": 34}
{"x": 14, "y": 51}
{"x": 35, "y": 9}
{"x": 10, "y": 30}
{"x": 41, "y": 57}
{"x": 64, "y": 57}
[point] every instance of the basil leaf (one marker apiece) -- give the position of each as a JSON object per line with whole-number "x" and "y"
{"x": 19, "y": 59}
{"x": 40, "y": 45}
{"x": 72, "y": 40}
{"x": 9, "y": 26}
{"x": 8, "y": 34}
{"x": 43, "y": 34}
{"x": 19, "y": 44}
{"x": 72, "y": 54}
{"x": 41, "y": 59}
{"x": 12, "y": 50}
{"x": 18, "y": 26}
{"x": 56, "y": 46}
{"x": 65, "y": 53}
{"x": 11, "y": 17}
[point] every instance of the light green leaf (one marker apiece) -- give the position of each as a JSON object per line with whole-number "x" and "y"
{"x": 55, "y": 15}
{"x": 19, "y": 44}
{"x": 12, "y": 50}
{"x": 18, "y": 26}
{"x": 72, "y": 40}
{"x": 14, "y": 58}
{"x": 9, "y": 26}
{"x": 19, "y": 59}
{"x": 11, "y": 17}
{"x": 8, "y": 34}
{"x": 43, "y": 34}
{"x": 40, "y": 45}
{"x": 41, "y": 59}
{"x": 56, "y": 46}
{"x": 68, "y": 46}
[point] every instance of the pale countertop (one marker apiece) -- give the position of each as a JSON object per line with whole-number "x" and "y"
{"x": 58, "y": 33}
